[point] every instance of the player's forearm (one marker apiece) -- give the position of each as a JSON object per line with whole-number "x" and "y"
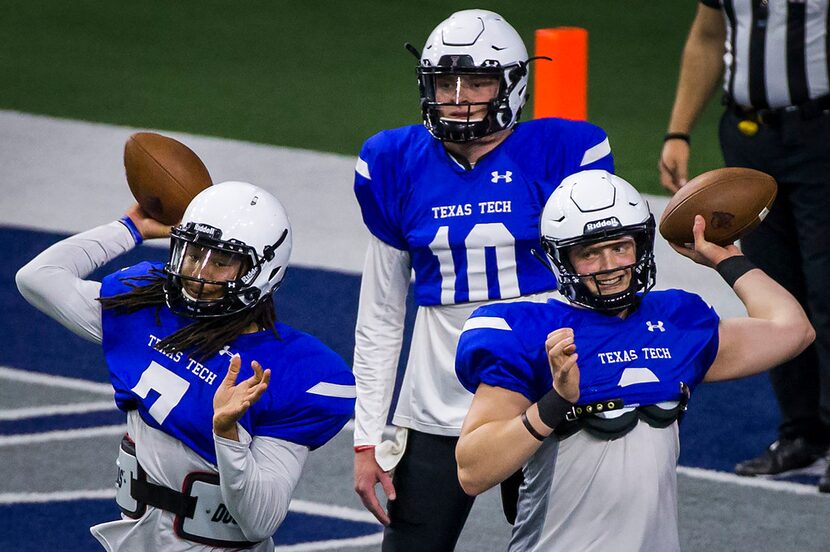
{"x": 700, "y": 71}
{"x": 775, "y": 330}
{"x": 492, "y": 452}
{"x": 374, "y": 399}
{"x": 378, "y": 337}
{"x": 374, "y": 389}
{"x": 375, "y": 365}
{"x": 54, "y": 281}
{"x": 257, "y": 480}
{"x": 766, "y": 299}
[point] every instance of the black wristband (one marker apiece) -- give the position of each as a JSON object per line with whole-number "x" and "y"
{"x": 530, "y": 428}
{"x": 733, "y": 268}
{"x": 678, "y": 136}
{"x": 552, "y": 408}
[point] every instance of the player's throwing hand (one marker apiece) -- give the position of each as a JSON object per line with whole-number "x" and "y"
{"x": 705, "y": 252}
{"x": 562, "y": 357}
{"x": 231, "y": 401}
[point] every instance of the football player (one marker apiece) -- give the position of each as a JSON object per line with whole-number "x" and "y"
{"x": 584, "y": 396}
{"x": 212, "y": 452}
{"x": 457, "y": 200}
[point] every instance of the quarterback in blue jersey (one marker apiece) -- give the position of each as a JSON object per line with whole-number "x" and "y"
{"x": 223, "y": 403}
{"x": 456, "y": 200}
{"x": 584, "y": 396}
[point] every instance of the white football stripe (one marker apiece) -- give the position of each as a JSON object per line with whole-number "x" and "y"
{"x": 334, "y": 390}
{"x": 595, "y": 153}
{"x": 489, "y": 322}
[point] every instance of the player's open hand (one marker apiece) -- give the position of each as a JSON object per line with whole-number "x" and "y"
{"x": 367, "y": 474}
{"x": 705, "y": 252}
{"x": 673, "y": 164}
{"x": 148, "y": 226}
{"x": 232, "y": 400}
{"x": 562, "y": 357}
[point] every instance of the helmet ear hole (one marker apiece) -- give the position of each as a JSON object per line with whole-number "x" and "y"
{"x": 517, "y": 72}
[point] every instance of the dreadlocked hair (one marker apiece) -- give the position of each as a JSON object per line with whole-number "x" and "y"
{"x": 203, "y": 338}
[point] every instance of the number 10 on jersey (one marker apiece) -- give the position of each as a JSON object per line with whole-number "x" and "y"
{"x": 481, "y": 237}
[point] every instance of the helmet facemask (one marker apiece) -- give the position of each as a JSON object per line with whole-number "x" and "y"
{"x": 207, "y": 276}
{"x": 472, "y": 44}
{"x": 445, "y": 88}
{"x": 572, "y": 284}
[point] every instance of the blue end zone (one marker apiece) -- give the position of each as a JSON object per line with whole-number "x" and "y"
{"x": 65, "y": 526}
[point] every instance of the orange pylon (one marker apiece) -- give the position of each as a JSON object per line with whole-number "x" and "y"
{"x": 561, "y": 86}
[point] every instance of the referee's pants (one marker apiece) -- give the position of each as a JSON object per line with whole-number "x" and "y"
{"x": 431, "y": 508}
{"x": 792, "y": 245}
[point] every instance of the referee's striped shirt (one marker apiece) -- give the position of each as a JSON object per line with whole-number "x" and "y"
{"x": 776, "y": 51}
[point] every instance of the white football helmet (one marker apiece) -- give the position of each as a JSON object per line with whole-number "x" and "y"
{"x": 474, "y": 42}
{"x": 229, "y": 252}
{"x": 594, "y": 206}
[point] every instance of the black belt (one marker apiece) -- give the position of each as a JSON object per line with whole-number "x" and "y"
{"x": 164, "y": 498}
{"x": 773, "y": 117}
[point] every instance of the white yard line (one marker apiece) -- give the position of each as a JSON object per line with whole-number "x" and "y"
{"x": 331, "y": 510}
{"x": 754, "y": 482}
{"x": 339, "y": 544}
{"x": 50, "y": 380}
{"x": 56, "y": 410}
{"x": 61, "y": 435}
{"x": 56, "y": 496}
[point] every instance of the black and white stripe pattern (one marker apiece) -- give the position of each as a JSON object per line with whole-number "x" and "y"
{"x": 776, "y": 51}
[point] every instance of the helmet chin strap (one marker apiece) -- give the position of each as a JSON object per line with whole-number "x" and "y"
{"x": 608, "y": 303}
{"x": 187, "y": 295}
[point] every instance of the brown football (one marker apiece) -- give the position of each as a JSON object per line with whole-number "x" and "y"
{"x": 732, "y": 200}
{"x": 163, "y": 174}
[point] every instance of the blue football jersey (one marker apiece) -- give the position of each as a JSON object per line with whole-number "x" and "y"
{"x": 672, "y": 337}
{"x": 309, "y": 399}
{"x": 470, "y": 232}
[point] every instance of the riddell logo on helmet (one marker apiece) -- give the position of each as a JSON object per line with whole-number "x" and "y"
{"x": 250, "y": 275}
{"x": 209, "y": 230}
{"x": 611, "y": 222}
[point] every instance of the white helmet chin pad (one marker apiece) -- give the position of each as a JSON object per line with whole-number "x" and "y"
{"x": 595, "y": 206}
{"x": 474, "y": 42}
{"x": 244, "y": 222}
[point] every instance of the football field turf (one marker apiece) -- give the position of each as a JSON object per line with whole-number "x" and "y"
{"x": 59, "y": 430}
{"x": 322, "y": 75}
